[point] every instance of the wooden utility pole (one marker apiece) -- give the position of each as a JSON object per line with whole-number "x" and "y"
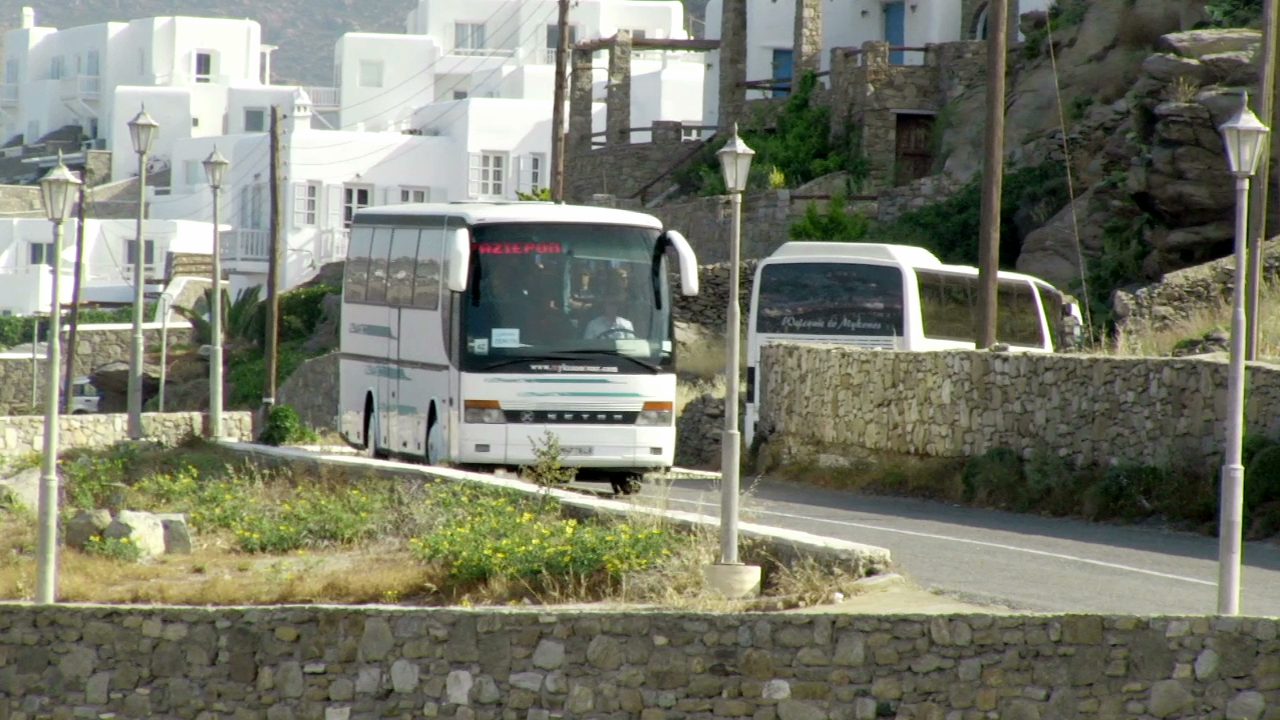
{"x": 1265, "y": 108}
{"x": 557, "y": 111}
{"x": 75, "y": 298}
{"x": 992, "y": 173}
{"x": 273, "y": 271}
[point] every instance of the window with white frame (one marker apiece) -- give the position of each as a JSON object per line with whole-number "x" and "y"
{"x": 255, "y": 120}
{"x": 371, "y": 73}
{"x": 57, "y": 67}
{"x": 194, "y": 172}
{"x": 252, "y": 206}
{"x": 11, "y": 68}
{"x": 41, "y": 253}
{"x": 131, "y": 252}
{"x": 488, "y": 174}
{"x": 414, "y": 195}
{"x": 533, "y": 173}
{"x": 354, "y": 197}
{"x": 468, "y": 36}
{"x": 306, "y": 203}
{"x": 203, "y": 69}
{"x": 92, "y": 64}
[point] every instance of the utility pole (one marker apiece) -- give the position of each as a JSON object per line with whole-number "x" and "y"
{"x": 557, "y": 111}
{"x": 992, "y": 173}
{"x": 75, "y": 296}
{"x": 273, "y": 271}
{"x": 1266, "y": 103}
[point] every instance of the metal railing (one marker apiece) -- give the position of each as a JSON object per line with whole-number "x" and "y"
{"x": 246, "y": 245}
{"x": 322, "y": 97}
{"x": 332, "y": 246}
{"x": 483, "y": 52}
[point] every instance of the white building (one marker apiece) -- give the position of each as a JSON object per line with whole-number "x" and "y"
{"x": 198, "y": 77}
{"x": 901, "y": 23}
{"x": 475, "y": 148}
{"x": 457, "y": 49}
{"x": 26, "y": 259}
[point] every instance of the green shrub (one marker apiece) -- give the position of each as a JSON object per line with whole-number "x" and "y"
{"x": 994, "y": 478}
{"x": 1262, "y": 478}
{"x": 834, "y": 225}
{"x": 1125, "y": 492}
{"x": 548, "y": 469}
{"x": 1234, "y": 13}
{"x": 301, "y": 310}
{"x": 283, "y": 426}
{"x": 119, "y": 549}
{"x": 503, "y": 535}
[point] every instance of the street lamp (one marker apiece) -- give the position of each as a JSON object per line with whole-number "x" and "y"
{"x": 1246, "y": 140}
{"x": 143, "y": 130}
{"x": 57, "y": 189}
{"x": 215, "y": 168}
{"x": 730, "y": 577}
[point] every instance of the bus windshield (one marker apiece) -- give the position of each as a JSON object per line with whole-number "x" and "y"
{"x": 830, "y": 298}
{"x": 555, "y": 297}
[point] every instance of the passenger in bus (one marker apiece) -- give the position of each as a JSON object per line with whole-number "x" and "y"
{"x": 609, "y": 325}
{"x": 546, "y": 322}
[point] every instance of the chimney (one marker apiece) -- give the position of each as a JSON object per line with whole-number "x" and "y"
{"x": 28, "y": 17}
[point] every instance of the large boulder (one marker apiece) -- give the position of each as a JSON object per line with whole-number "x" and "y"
{"x": 84, "y": 526}
{"x": 1209, "y": 41}
{"x": 23, "y": 489}
{"x": 145, "y": 530}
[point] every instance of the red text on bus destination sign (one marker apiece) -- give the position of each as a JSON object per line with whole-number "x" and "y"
{"x": 529, "y": 248}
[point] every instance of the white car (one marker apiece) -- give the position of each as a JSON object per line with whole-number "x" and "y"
{"x": 84, "y": 397}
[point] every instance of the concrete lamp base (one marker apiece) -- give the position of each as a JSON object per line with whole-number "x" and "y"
{"x": 733, "y": 582}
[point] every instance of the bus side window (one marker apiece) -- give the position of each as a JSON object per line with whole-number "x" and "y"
{"x": 946, "y": 306}
{"x": 426, "y": 277}
{"x": 357, "y": 270}
{"x": 378, "y": 261}
{"x": 404, "y": 249}
{"x": 1017, "y": 318}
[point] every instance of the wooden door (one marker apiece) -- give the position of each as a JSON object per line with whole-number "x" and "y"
{"x": 914, "y": 157}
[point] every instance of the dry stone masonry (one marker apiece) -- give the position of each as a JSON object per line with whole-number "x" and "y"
{"x": 25, "y": 434}
{"x": 324, "y": 663}
{"x": 822, "y": 401}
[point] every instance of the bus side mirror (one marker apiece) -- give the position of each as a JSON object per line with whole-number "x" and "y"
{"x": 458, "y": 252}
{"x": 688, "y": 262}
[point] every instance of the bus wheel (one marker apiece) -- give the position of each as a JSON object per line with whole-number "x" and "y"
{"x": 435, "y": 443}
{"x": 627, "y": 485}
{"x": 370, "y": 443}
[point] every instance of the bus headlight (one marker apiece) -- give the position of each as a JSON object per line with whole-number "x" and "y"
{"x": 655, "y": 414}
{"x": 482, "y": 411}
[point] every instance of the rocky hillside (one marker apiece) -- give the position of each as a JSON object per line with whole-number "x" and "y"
{"x": 304, "y": 30}
{"x": 1138, "y": 88}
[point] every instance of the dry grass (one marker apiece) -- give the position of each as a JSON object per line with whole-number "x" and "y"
{"x": 1147, "y": 340}
{"x": 383, "y": 569}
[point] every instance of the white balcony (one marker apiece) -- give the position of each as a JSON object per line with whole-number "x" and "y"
{"x": 483, "y": 52}
{"x": 332, "y": 246}
{"x": 246, "y": 246}
{"x": 323, "y": 98}
{"x": 81, "y": 87}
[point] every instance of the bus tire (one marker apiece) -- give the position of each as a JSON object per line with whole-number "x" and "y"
{"x": 370, "y": 449}
{"x": 436, "y": 444}
{"x": 627, "y": 485}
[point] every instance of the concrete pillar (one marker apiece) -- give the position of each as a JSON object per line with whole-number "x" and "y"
{"x": 618, "y": 99}
{"x": 807, "y": 50}
{"x": 733, "y": 63}
{"x": 580, "y": 128}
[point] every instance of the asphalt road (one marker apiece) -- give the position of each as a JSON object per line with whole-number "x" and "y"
{"x": 1016, "y": 561}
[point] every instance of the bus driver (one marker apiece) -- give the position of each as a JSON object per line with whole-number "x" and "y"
{"x": 609, "y": 326}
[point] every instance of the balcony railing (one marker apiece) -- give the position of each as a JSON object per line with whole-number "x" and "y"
{"x": 9, "y": 94}
{"x": 322, "y": 97}
{"x": 332, "y": 246}
{"x": 246, "y": 245}
{"x": 483, "y": 52}
{"x": 81, "y": 87}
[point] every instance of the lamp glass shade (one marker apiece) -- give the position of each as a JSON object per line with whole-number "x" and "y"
{"x": 57, "y": 189}
{"x": 143, "y": 130}
{"x": 735, "y": 163}
{"x": 215, "y": 168}
{"x": 1246, "y": 139}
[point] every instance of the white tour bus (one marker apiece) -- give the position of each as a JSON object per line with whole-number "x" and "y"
{"x": 889, "y": 297}
{"x": 469, "y": 330}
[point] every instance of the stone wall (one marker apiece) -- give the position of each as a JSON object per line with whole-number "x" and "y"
{"x": 312, "y": 391}
{"x": 915, "y": 195}
{"x": 24, "y": 434}
{"x": 623, "y": 168}
{"x": 709, "y": 306}
{"x": 332, "y": 663}
{"x": 822, "y": 401}
{"x": 96, "y": 345}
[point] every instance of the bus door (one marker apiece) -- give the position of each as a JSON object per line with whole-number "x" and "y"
{"x": 402, "y": 409}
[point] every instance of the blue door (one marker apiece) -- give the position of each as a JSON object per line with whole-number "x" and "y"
{"x": 781, "y": 72}
{"x": 895, "y": 29}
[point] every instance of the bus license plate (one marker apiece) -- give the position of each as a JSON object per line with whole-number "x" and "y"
{"x": 575, "y": 449}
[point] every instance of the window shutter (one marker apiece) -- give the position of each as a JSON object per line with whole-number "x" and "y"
{"x": 473, "y": 184}
{"x": 334, "y": 206}
{"x": 519, "y": 163}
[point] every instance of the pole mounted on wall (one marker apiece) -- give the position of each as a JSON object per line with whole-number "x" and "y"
{"x": 992, "y": 173}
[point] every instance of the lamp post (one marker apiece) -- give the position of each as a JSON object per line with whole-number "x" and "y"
{"x": 57, "y": 191}
{"x": 730, "y": 577}
{"x": 1246, "y": 139}
{"x": 215, "y": 168}
{"x": 142, "y": 129}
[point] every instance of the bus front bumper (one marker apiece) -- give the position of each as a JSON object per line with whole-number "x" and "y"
{"x": 612, "y": 447}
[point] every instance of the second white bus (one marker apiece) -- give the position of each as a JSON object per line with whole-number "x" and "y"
{"x": 889, "y": 297}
